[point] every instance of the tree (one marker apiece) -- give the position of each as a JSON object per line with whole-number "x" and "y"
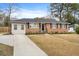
{"x": 64, "y": 9}
{"x": 9, "y": 11}
{"x": 72, "y": 8}
{"x": 37, "y": 18}
{"x": 69, "y": 18}
{"x": 7, "y": 21}
{"x": 57, "y": 7}
{"x": 75, "y": 8}
{"x": 77, "y": 29}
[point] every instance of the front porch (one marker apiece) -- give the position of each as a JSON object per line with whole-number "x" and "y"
{"x": 39, "y": 28}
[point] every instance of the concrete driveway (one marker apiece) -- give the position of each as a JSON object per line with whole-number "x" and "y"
{"x": 23, "y": 46}
{"x": 7, "y": 39}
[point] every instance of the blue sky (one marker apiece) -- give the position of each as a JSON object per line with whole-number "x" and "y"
{"x": 28, "y": 10}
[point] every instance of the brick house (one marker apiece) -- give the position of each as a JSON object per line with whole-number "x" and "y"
{"x": 23, "y": 26}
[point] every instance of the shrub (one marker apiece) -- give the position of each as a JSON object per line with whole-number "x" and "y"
{"x": 77, "y": 29}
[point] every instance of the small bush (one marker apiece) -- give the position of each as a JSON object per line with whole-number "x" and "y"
{"x": 77, "y": 29}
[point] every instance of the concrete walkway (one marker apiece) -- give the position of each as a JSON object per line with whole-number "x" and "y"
{"x": 23, "y": 46}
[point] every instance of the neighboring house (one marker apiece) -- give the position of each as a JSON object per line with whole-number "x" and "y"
{"x": 2, "y": 20}
{"x": 23, "y": 26}
{"x": 71, "y": 28}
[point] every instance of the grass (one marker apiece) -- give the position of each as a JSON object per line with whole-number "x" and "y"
{"x": 6, "y": 50}
{"x": 57, "y": 44}
{"x": 70, "y": 37}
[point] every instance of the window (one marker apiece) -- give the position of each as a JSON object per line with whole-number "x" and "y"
{"x": 15, "y": 27}
{"x": 34, "y": 25}
{"x": 22, "y": 27}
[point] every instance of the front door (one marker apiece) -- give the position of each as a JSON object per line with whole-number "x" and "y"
{"x": 43, "y": 28}
{"x": 18, "y": 28}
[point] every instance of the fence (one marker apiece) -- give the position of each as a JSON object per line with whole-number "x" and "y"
{"x": 4, "y": 29}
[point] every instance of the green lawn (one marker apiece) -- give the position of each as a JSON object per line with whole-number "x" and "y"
{"x": 6, "y": 50}
{"x": 57, "y": 44}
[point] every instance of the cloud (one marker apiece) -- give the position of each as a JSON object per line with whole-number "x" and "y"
{"x": 25, "y": 13}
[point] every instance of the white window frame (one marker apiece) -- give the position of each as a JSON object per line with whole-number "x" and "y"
{"x": 22, "y": 27}
{"x": 15, "y": 26}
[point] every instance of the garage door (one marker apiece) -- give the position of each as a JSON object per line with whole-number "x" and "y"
{"x": 18, "y": 28}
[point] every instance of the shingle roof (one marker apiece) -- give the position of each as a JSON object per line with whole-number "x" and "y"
{"x": 38, "y": 21}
